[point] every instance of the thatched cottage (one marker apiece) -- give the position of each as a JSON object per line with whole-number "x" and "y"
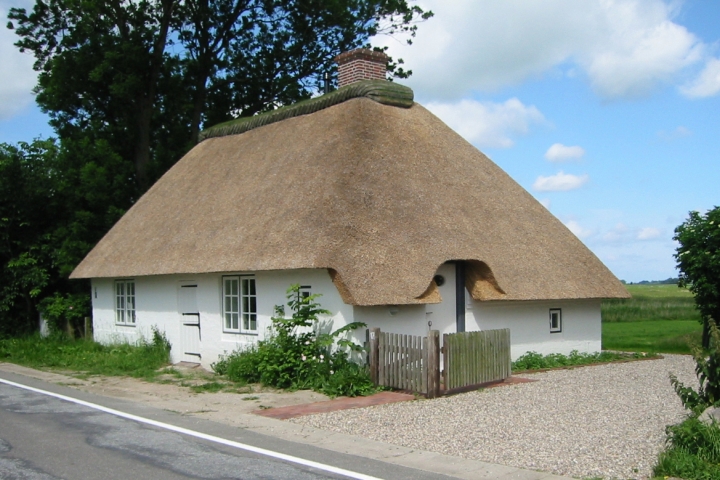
{"x": 363, "y": 196}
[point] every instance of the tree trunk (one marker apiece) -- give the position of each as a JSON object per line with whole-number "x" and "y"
{"x": 147, "y": 102}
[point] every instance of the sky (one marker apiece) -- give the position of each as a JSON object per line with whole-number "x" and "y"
{"x": 606, "y": 111}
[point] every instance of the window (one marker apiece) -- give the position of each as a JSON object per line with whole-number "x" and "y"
{"x": 304, "y": 291}
{"x": 555, "y": 320}
{"x": 239, "y": 304}
{"x": 125, "y": 302}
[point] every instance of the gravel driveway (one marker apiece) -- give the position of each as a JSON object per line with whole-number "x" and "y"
{"x": 602, "y": 421}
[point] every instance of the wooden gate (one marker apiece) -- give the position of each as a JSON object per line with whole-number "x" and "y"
{"x": 405, "y": 362}
{"x": 474, "y": 358}
{"x": 402, "y": 362}
{"x": 408, "y": 362}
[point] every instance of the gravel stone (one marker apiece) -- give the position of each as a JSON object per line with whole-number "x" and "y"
{"x": 603, "y": 421}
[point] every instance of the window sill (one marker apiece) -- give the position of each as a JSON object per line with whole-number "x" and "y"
{"x": 234, "y": 332}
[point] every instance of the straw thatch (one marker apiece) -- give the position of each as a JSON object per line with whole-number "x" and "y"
{"x": 379, "y": 195}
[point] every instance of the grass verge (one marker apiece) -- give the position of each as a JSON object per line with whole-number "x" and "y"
{"x": 141, "y": 360}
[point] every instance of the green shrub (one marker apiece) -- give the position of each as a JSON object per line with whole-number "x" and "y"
{"x": 693, "y": 451}
{"x": 707, "y": 369}
{"x": 60, "y": 310}
{"x": 536, "y": 361}
{"x": 295, "y": 355}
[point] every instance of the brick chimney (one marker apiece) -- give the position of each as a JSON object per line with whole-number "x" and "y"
{"x": 361, "y": 64}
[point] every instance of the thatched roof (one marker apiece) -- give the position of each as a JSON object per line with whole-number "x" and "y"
{"x": 379, "y": 195}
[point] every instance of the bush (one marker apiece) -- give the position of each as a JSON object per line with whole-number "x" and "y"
{"x": 693, "y": 447}
{"x": 536, "y": 361}
{"x": 693, "y": 451}
{"x": 60, "y": 310}
{"x": 707, "y": 369}
{"x": 295, "y": 355}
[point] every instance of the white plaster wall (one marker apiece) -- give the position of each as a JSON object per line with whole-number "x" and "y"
{"x": 406, "y": 319}
{"x": 529, "y": 325}
{"x": 156, "y": 303}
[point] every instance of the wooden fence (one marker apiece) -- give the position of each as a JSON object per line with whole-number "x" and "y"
{"x": 474, "y": 358}
{"x": 405, "y": 362}
{"x": 408, "y": 362}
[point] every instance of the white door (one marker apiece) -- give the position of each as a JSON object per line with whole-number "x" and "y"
{"x": 189, "y": 323}
{"x": 443, "y": 315}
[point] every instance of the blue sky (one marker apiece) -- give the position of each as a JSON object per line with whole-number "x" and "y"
{"x": 607, "y": 111}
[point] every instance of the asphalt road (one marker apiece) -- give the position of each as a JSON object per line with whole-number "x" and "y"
{"x": 42, "y": 437}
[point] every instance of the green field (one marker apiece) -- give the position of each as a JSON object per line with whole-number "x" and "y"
{"x": 658, "y": 318}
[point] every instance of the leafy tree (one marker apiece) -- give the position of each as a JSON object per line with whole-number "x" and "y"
{"x": 29, "y": 206}
{"x": 698, "y": 259}
{"x": 144, "y": 76}
{"x": 53, "y": 208}
{"x": 128, "y": 86}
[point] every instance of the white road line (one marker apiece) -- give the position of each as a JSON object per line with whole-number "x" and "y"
{"x": 193, "y": 433}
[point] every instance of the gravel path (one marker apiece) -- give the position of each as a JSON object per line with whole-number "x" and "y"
{"x": 603, "y": 421}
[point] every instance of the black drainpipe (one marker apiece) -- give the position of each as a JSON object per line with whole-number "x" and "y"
{"x": 460, "y": 296}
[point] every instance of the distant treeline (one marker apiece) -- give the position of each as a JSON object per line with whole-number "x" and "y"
{"x": 669, "y": 281}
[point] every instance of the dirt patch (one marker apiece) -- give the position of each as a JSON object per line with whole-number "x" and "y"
{"x": 172, "y": 392}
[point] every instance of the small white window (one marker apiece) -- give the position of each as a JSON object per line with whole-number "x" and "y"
{"x": 555, "y": 320}
{"x": 304, "y": 291}
{"x": 239, "y": 304}
{"x": 125, "y": 302}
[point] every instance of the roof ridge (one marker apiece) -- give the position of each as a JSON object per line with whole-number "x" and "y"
{"x": 381, "y": 91}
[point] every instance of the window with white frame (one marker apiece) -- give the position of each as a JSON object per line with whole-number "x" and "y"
{"x": 239, "y": 304}
{"x": 555, "y": 320}
{"x": 125, "y": 302}
{"x": 304, "y": 292}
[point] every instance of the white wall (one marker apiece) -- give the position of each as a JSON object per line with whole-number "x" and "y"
{"x": 529, "y": 324}
{"x": 156, "y": 305}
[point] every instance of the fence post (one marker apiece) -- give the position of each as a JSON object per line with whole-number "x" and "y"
{"x": 433, "y": 366}
{"x": 374, "y": 354}
{"x": 88, "y": 328}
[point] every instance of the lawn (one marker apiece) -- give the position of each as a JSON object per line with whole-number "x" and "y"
{"x": 658, "y": 318}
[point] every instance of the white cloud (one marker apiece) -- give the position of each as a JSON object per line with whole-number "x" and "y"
{"x": 578, "y": 229}
{"x": 648, "y": 233}
{"x": 17, "y": 77}
{"x": 679, "y": 132}
{"x": 559, "y": 152}
{"x": 707, "y": 83}
{"x": 619, "y": 233}
{"x": 488, "y": 124}
{"x": 622, "y": 47}
{"x": 560, "y": 182}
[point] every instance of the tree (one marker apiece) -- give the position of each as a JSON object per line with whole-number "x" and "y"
{"x": 698, "y": 259}
{"x": 29, "y": 206}
{"x": 128, "y": 86}
{"x": 145, "y": 76}
{"x": 53, "y": 208}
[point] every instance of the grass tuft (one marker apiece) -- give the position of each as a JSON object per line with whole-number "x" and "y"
{"x": 208, "y": 387}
